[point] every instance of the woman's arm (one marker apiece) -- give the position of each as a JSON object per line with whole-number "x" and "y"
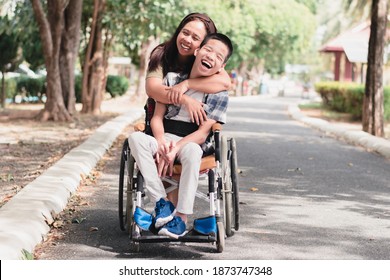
{"x": 211, "y": 84}
{"x": 157, "y": 90}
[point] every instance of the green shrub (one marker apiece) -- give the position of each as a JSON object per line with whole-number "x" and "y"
{"x": 117, "y": 85}
{"x": 348, "y": 98}
{"x": 32, "y": 89}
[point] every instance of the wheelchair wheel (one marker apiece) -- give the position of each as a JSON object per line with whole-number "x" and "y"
{"x": 220, "y": 237}
{"x": 235, "y": 186}
{"x": 134, "y": 230}
{"x": 226, "y": 186}
{"x": 126, "y": 183}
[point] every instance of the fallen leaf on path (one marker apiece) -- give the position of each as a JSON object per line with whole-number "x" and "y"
{"x": 78, "y": 220}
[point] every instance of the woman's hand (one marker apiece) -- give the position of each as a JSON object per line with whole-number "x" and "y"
{"x": 176, "y": 92}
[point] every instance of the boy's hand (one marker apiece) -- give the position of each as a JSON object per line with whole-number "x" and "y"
{"x": 195, "y": 109}
{"x": 167, "y": 160}
{"x": 162, "y": 147}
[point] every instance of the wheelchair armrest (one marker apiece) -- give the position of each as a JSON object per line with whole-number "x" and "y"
{"x": 139, "y": 127}
{"x": 216, "y": 127}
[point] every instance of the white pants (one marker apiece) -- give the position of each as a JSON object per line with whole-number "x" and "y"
{"x": 144, "y": 147}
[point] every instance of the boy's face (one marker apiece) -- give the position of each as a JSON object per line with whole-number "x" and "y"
{"x": 209, "y": 59}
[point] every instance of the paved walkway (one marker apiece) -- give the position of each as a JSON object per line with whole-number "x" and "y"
{"x": 24, "y": 219}
{"x": 350, "y": 133}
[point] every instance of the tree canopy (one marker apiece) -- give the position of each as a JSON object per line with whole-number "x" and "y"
{"x": 8, "y": 57}
{"x": 269, "y": 33}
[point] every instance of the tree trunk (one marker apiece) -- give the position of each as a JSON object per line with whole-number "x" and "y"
{"x": 109, "y": 38}
{"x": 3, "y": 97}
{"x": 146, "y": 49}
{"x": 69, "y": 51}
{"x": 50, "y": 30}
{"x": 93, "y": 69}
{"x": 373, "y": 122}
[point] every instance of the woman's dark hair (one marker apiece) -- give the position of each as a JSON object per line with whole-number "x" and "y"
{"x": 166, "y": 54}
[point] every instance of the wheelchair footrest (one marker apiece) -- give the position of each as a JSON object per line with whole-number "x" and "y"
{"x": 191, "y": 236}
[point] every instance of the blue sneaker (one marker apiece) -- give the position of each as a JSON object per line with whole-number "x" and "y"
{"x": 174, "y": 229}
{"x": 165, "y": 211}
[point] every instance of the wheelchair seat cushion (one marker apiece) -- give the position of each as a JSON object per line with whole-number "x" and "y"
{"x": 207, "y": 162}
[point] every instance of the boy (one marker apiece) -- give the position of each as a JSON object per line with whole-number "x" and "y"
{"x": 176, "y": 136}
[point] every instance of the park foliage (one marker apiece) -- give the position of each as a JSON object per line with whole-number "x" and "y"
{"x": 348, "y": 98}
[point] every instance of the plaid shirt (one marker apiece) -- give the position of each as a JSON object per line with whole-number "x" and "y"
{"x": 215, "y": 104}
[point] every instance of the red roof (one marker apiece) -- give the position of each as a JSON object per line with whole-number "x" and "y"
{"x": 359, "y": 34}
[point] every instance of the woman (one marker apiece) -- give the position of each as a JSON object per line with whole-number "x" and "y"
{"x": 177, "y": 55}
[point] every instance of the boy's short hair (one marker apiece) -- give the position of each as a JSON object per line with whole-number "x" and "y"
{"x": 220, "y": 37}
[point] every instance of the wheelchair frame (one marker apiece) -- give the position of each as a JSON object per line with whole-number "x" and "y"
{"x": 223, "y": 189}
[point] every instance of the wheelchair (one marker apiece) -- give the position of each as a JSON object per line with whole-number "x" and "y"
{"x": 221, "y": 171}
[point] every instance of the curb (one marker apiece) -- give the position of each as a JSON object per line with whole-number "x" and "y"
{"x": 24, "y": 219}
{"x": 356, "y": 137}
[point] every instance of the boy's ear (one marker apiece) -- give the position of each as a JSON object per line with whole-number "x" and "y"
{"x": 222, "y": 67}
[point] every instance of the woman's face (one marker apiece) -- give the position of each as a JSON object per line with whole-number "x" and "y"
{"x": 190, "y": 37}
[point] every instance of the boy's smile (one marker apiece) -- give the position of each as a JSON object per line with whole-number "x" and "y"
{"x": 209, "y": 59}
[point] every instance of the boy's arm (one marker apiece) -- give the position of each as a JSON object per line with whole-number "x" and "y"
{"x": 212, "y": 84}
{"x": 217, "y": 107}
{"x": 216, "y": 112}
{"x": 199, "y": 136}
{"x": 156, "y": 123}
{"x": 164, "y": 147}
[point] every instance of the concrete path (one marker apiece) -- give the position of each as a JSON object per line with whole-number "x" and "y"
{"x": 24, "y": 219}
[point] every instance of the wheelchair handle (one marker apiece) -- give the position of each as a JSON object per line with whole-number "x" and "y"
{"x": 217, "y": 146}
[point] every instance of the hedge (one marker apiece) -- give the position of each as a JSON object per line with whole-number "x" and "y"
{"x": 117, "y": 85}
{"x": 33, "y": 89}
{"x": 348, "y": 97}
